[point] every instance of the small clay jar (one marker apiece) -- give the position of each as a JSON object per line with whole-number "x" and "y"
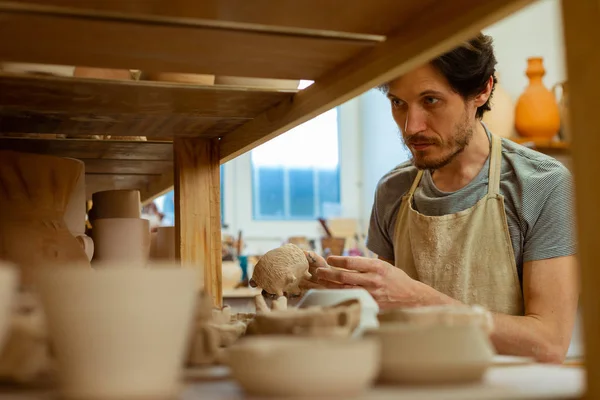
{"x": 124, "y": 241}
{"x": 116, "y": 204}
{"x": 34, "y": 193}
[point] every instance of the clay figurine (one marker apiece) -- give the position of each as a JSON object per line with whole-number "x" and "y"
{"x": 280, "y": 271}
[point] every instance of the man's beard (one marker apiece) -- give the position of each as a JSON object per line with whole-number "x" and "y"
{"x": 463, "y": 132}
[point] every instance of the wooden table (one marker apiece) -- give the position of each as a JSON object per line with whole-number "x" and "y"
{"x": 533, "y": 381}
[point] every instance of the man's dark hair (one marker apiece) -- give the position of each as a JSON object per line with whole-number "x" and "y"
{"x": 467, "y": 68}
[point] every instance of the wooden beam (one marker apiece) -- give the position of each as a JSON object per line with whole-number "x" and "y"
{"x": 447, "y": 24}
{"x": 582, "y": 34}
{"x": 197, "y": 211}
{"x": 165, "y": 47}
{"x": 375, "y": 17}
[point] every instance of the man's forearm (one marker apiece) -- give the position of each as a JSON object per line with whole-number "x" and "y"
{"x": 513, "y": 335}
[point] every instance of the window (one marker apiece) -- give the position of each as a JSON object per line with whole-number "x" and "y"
{"x": 296, "y": 176}
{"x": 166, "y": 203}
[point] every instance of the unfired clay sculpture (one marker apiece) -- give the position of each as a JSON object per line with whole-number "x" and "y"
{"x": 34, "y": 192}
{"x": 338, "y": 320}
{"x": 213, "y": 331}
{"x": 280, "y": 270}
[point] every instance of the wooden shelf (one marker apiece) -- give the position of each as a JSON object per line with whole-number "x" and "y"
{"x": 544, "y": 145}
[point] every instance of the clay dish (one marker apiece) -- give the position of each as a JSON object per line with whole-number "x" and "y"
{"x": 330, "y": 297}
{"x": 440, "y": 314}
{"x": 433, "y": 354}
{"x": 293, "y": 366}
{"x": 119, "y": 333}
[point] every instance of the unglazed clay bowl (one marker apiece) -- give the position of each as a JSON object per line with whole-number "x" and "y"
{"x": 433, "y": 354}
{"x": 118, "y": 333}
{"x": 285, "y": 366}
{"x": 330, "y": 297}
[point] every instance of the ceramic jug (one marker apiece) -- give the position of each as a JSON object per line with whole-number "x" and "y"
{"x": 34, "y": 192}
{"x": 537, "y": 114}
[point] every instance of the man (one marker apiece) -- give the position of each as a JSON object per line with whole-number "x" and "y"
{"x": 472, "y": 218}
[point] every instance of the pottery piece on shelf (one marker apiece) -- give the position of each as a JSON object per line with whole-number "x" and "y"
{"x": 500, "y": 120}
{"x": 116, "y": 204}
{"x": 123, "y": 241}
{"x": 37, "y": 69}
{"x": 34, "y": 193}
{"x": 284, "y": 84}
{"x": 163, "y": 247}
{"x": 9, "y": 281}
{"x": 102, "y": 73}
{"x": 563, "y": 106}
{"x": 432, "y": 354}
{"x": 194, "y": 79}
{"x": 536, "y": 113}
{"x": 127, "y": 138}
{"x": 329, "y": 297}
{"x": 75, "y": 213}
{"x": 231, "y": 274}
{"x": 25, "y": 357}
{"x": 340, "y": 319}
{"x": 441, "y": 315}
{"x": 303, "y": 367}
{"x": 119, "y": 332}
{"x": 280, "y": 270}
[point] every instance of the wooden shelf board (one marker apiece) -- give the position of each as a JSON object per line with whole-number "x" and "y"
{"x": 542, "y": 144}
{"x": 376, "y": 17}
{"x": 75, "y": 106}
{"x": 169, "y": 47}
{"x": 97, "y": 149}
{"x": 99, "y": 182}
{"x": 127, "y": 167}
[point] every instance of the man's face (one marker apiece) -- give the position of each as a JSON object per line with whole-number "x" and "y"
{"x": 436, "y": 122}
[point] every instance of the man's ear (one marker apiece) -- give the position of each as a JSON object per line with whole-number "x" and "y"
{"x": 482, "y": 97}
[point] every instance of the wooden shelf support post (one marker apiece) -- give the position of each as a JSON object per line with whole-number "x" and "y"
{"x": 582, "y": 33}
{"x": 198, "y": 211}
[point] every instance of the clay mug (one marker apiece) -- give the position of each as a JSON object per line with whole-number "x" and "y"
{"x": 122, "y": 240}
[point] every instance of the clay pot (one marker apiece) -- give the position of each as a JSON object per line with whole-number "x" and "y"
{"x": 285, "y": 84}
{"x": 536, "y": 113}
{"x": 9, "y": 281}
{"x": 125, "y": 241}
{"x": 116, "y": 204}
{"x": 75, "y": 213}
{"x": 163, "y": 246}
{"x": 113, "y": 336}
{"x": 102, "y": 73}
{"x": 34, "y": 193}
{"x": 307, "y": 367}
{"x": 433, "y": 354}
{"x": 194, "y": 79}
{"x": 330, "y": 297}
{"x": 563, "y": 107}
{"x": 500, "y": 120}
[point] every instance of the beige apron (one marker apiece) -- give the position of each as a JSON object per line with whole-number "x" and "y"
{"x": 467, "y": 255}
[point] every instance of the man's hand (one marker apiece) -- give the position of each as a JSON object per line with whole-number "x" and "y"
{"x": 315, "y": 262}
{"x": 389, "y": 286}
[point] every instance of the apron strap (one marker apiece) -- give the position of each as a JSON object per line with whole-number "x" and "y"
{"x": 415, "y": 183}
{"x": 495, "y": 166}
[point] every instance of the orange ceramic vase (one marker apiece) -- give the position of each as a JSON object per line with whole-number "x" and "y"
{"x": 537, "y": 114}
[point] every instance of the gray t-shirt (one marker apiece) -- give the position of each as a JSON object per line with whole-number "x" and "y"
{"x": 538, "y": 197}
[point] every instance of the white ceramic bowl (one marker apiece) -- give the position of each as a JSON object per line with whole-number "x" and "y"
{"x": 330, "y": 297}
{"x": 432, "y": 354}
{"x": 286, "y": 366}
{"x": 119, "y": 332}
